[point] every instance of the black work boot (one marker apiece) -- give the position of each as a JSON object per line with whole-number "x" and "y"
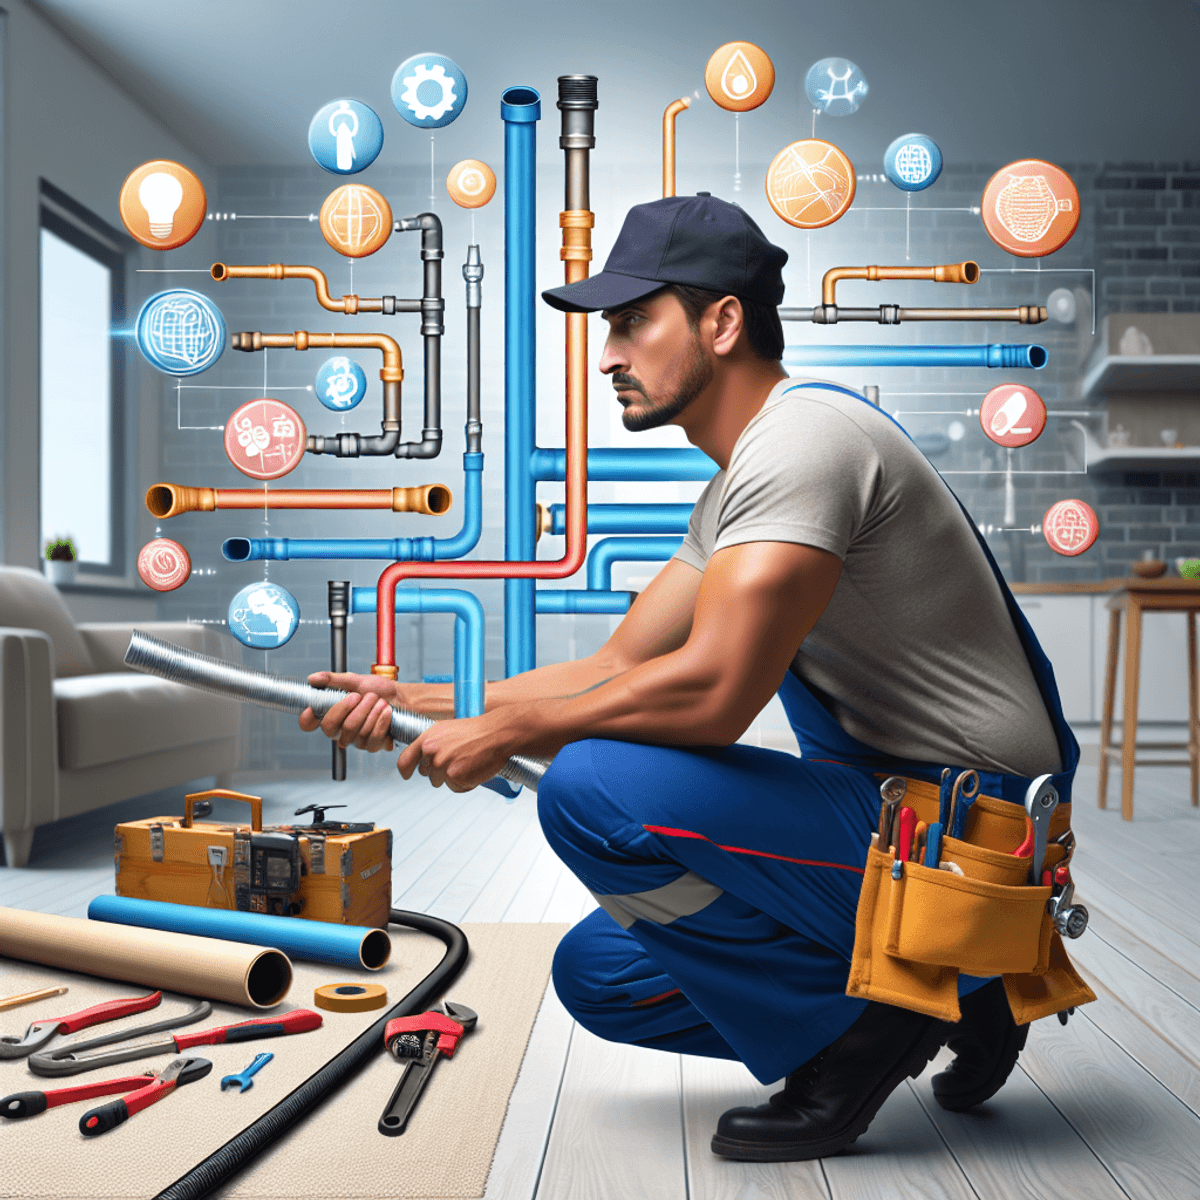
{"x": 831, "y": 1100}
{"x": 986, "y": 1041}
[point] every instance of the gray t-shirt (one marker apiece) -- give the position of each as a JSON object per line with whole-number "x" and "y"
{"x": 916, "y": 654}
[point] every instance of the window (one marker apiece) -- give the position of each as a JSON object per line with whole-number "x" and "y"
{"x": 82, "y": 383}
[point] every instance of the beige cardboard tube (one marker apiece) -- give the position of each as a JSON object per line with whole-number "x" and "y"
{"x": 252, "y": 976}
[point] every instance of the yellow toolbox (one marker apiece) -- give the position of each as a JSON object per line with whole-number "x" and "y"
{"x": 327, "y": 871}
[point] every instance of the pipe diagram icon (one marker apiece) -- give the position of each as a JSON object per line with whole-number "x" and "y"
{"x": 345, "y": 137}
{"x": 1030, "y": 208}
{"x": 1070, "y": 527}
{"x": 265, "y": 438}
{"x": 180, "y": 332}
{"x": 835, "y": 87}
{"x": 162, "y": 204}
{"x": 429, "y": 90}
{"x": 263, "y": 616}
{"x": 739, "y": 76}
{"x": 810, "y": 183}
{"x": 356, "y": 220}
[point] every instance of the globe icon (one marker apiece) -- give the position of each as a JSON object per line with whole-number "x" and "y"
{"x": 263, "y": 616}
{"x": 180, "y": 332}
{"x": 913, "y": 163}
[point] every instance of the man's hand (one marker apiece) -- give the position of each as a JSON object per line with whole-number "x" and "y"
{"x": 465, "y": 753}
{"x": 363, "y": 718}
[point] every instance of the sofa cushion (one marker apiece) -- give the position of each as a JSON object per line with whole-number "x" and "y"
{"x": 28, "y": 600}
{"x": 110, "y": 717}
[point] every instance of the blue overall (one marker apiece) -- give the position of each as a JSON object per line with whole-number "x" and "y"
{"x": 728, "y": 878}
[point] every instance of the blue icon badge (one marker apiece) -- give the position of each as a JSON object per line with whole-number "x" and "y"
{"x": 835, "y": 86}
{"x": 912, "y": 162}
{"x": 429, "y": 90}
{"x": 180, "y": 332}
{"x": 263, "y": 616}
{"x": 345, "y": 137}
{"x": 341, "y": 383}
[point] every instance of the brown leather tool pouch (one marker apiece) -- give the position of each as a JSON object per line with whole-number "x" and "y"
{"x": 916, "y": 933}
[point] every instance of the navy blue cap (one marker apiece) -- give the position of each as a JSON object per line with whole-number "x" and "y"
{"x": 698, "y": 241}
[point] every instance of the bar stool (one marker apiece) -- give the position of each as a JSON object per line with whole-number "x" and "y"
{"x": 1138, "y": 596}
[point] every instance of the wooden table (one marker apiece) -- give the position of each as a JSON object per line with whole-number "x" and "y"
{"x": 1135, "y": 597}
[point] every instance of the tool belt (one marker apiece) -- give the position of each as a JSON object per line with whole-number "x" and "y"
{"x": 919, "y": 926}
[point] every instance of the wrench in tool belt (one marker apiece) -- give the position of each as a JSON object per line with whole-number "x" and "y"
{"x": 40, "y": 1032}
{"x": 1041, "y": 799}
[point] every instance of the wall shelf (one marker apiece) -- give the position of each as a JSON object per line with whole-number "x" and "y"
{"x": 1101, "y": 459}
{"x": 1126, "y": 373}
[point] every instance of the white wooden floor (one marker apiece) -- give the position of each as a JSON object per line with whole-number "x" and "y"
{"x": 1106, "y": 1108}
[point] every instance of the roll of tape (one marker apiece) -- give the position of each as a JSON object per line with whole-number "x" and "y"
{"x": 350, "y": 997}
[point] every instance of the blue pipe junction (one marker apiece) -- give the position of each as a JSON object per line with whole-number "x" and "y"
{"x": 994, "y": 354}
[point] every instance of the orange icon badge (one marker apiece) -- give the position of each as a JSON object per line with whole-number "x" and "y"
{"x": 1030, "y": 208}
{"x": 739, "y": 76}
{"x": 265, "y": 438}
{"x": 356, "y": 220}
{"x": 164, "y": 565}
{"x": 471, "y": 183}
{"x": 163, "y": 204}
{"x": 1013, "y": 415}
{"x": 1070, "y": 527}
{"x": 810, "y": 183}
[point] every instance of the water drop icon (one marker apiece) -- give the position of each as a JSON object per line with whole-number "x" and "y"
{"x": 738, "y": 79}
{"x": 739, "y": 76}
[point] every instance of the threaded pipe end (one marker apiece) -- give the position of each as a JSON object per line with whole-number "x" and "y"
{"x": 578, "y": 91}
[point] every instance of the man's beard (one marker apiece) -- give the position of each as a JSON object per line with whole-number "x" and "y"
{"x": 661, "y": 412}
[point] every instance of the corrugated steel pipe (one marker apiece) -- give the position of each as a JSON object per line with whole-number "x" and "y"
{"x": 170, "y": 499}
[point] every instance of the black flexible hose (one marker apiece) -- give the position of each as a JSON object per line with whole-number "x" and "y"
{"x": 206, "y": 1176}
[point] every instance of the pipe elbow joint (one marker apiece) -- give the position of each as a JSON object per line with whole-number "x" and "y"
{"x": 430, "y": 446}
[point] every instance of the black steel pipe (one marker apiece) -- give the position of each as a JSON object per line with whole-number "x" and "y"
{"x": 432, "y": 328}
{"x": 339, "y": 613}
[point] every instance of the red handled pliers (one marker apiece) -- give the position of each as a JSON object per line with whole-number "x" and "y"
{"x": 143, "y": 1091}
{"x": 40, "y": 1032}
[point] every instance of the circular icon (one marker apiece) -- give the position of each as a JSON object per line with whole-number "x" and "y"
{"x": 265, "y": 438}
{"x": 429, "y": 90}
{"x": 1030, "y": 208}
{"x": 356, "y": 220}
{"x": 912, "y": 162}
{"x": 739, "y": 76}
{"x": 263, "y": 616}
{"x": 471, "y": 183}
{"x": 1013, "y": 415}
{"x": 835, "y": 87}
{"x": 164, "y": 565}
{"x": 345, "y": 136}
{"x": 180, "y": 332}
{"x": 1070, "y": 527}
{"x": 810, "y": 183}
{"x": 341, "y": 383}
{"x": 1060, "y": 304}
{"x": 162, "y": 204}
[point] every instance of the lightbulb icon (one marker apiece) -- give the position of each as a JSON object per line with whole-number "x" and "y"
{"x": 161, "y": 195}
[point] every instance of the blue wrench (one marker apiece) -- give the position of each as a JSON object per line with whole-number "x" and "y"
{"x": 243, "y": 1078}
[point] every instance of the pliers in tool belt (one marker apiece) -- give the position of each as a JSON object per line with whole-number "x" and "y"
{"x": 40, "y": 1032}
{"x": 143, "y": 1090}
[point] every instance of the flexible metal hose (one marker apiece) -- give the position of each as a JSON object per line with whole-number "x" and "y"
{"x": 204, "y": 1178}
{"x": 180, "y": 665}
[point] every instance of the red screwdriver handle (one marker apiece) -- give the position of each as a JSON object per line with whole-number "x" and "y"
{"x": 1025, "y": 849}
{"x": 300, "y": 1020}
{"x": 109, "y": 1011}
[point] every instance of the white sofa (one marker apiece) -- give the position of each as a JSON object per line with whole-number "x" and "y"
{"x": 79, "y": 729}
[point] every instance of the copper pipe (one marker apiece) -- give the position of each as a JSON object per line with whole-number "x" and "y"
{"x": 964, "y": 272}
{"x": 671, "y": 112}
{"x": 170, "y": 499}
{"x": 392, "y": 370}
{"x": 346, "y": 304}
{"x": 1026, "y": 314}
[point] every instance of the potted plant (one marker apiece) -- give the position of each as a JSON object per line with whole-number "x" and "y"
{"x": 61, "y": 560}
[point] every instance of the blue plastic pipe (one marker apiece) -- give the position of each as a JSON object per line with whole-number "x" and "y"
{"x": 625, "y": 549}
{"x": 354, "y": 946}
{"x": 520, "y": 110}
{"x": 576, "y": 600}
{"x": 403, "y": 549}
{"x": 627, "y": 518}
{"x": 468, "y": 634}
{"x": 995, "y": 354}
{"x": 627, "y": 465}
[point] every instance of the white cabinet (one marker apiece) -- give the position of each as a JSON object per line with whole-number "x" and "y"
{"x": 1064, "y": 627}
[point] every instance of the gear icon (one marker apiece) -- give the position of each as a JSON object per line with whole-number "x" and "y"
{"x": 423, "y": 74}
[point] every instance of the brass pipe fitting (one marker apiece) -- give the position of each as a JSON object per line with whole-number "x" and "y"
{"x": 170, "y": 499}
{"x": 346, "y": 304}
{"x": 392, "y": 370}
{"x": 964, "y": 272}
{"x": 668, "y": 166}
{"x": 577, "y": 237}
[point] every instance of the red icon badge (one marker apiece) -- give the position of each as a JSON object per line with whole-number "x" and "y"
{"x": 1070, "y": 527}
{"x": 1030, "y": 208}
{"x": 164, "y": 565}
{"x": 265, "y": 438}
{"x": 1013, "y": 415}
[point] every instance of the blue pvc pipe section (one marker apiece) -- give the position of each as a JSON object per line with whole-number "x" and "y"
{"x": 401, "y": 549}
{"x": 576, "y": 600}
{"x": 995, "y": 354}
{"x": 625, "y": 549}
{"x": 353, "y": 946}
{"x": 627, "y": 465}
{"x": 468, "y": 634}
{"x": 627, "y": 518}
{"x": 520, "y": 110}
